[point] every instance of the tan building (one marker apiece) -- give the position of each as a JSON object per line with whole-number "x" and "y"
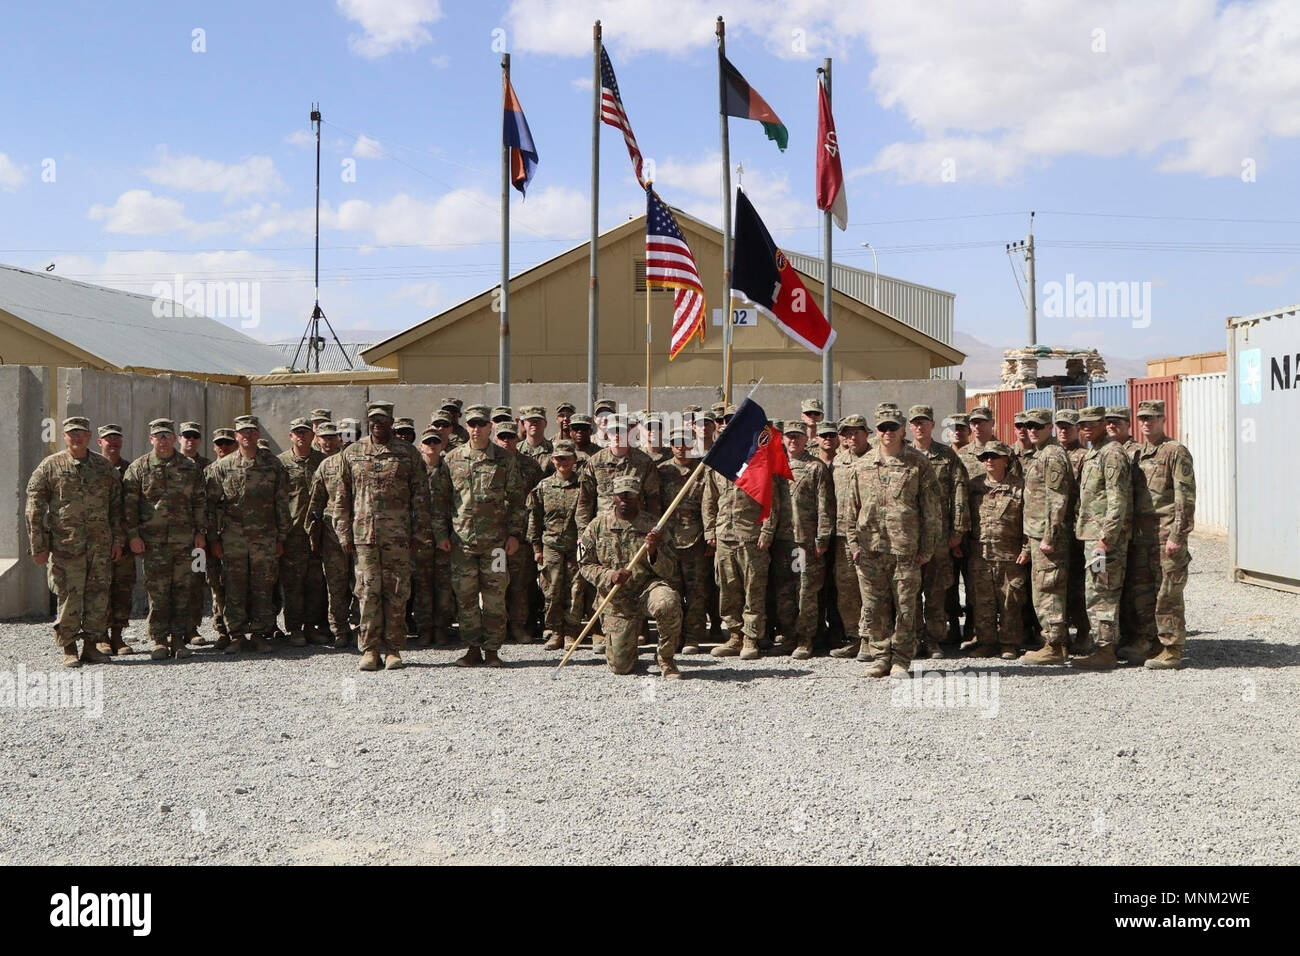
{"x": 548, "y": 329}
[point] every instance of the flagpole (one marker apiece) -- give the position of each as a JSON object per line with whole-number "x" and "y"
{"x": 828, "y": 371}
{"x": 647, "y": 348}
{"x": 726, "y": 216}
{"x": 593, "y": 297}
{"x": 503, "y": 349}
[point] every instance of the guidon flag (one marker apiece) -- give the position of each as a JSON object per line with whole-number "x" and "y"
{"x": 749, "y": 452}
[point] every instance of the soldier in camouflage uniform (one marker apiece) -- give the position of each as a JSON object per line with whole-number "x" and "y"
{"x": 937, "y": 575}
{"x": 535, "y": 444}
{"x": 1164, "y": 515}
{"x": 520, "y": 565}
{"x": 381, "y": 511}
{"x": 123, "y": 586}
{"x": 432, "y": 607}
{"x": 488, "y": 524}
{"x": 74, "y": 530}
{"x": 302, "y": 580}
{"x": 1049, "y": 521}
{"x": 164, "y": 518}
{"x": 999, "y": 555}
{"x": 553, "y": 535}
{"x": 687, "y": 525}
{"x": 336, "y": 564}
{"x": 855, "y": 442}
{"x": 580, "y": 430}
{"x": 248, "y": 512}
{"x": 563, "y": 413}
{"x": 899, "y": 528}
{"x": 459, "y": 436}
{"x": 609, "y": 542}
{"x": 805, "y": 523}
{"x": 960, "y": 427}
{"x": 1104, "y": 526}
{"x": 830, "y": 629}
{"x": 191, "y": 438}
{"x": 1076, "y": 608}
{"x": 223, "y": 444}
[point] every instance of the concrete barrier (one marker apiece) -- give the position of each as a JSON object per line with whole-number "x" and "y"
{"x": 946, "y": 397}
{"x": 224, "y": 403}
{"x": 277, "y": 405}
{"x": 23, "y": 431}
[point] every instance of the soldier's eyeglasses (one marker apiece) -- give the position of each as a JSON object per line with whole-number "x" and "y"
{"x": 1036, "y": 427}
{"x": 886, "y": 427}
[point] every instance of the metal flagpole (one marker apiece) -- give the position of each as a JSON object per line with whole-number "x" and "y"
{"x": 828, "y": 372}
{"x": 726, "y": 217}
{"x": 503, "y": 365}
{"x": 648, "y": 336}
{"x": 593, "y": 290}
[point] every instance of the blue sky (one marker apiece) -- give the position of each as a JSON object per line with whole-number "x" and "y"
{"x": 1172, "y": 126}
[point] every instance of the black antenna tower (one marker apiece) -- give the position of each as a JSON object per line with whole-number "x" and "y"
{"x": 311, "y": 337}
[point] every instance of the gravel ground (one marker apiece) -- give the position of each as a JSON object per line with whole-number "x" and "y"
{"x": 297, "y": 757}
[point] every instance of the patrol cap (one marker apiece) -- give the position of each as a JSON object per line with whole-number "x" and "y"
{"x": 106, "y": 430}
{"x": 1091, "y": 414}
{"x": 1038, "y": 416}
{"x": 1067, "y": 416}
{"x": 605, "y": 405}
{"x": 681, "y": 436}
{"x": 707, "y": 417}
{"x": 162, "y": 426}
{"x": 826, "y": 428}
{"x": 1147, "y": 408}
{"x": 564, "y": 449}
{"x": 691, "y": 409}
{"x": 980, "y": 413}
{"x": 507, "y": 429}
{"x": 503, "y": 413}
{"x": 298, "y": 423}
{"x": 379, "y": 410}
{"x": 615, "y": 423}
{"x": 450, "y": 405}
{"x": 581, "y": 420}
{"x": 404, "y": 424}
{"x": 76, "y": 424}
{"x": 431, "y": 436}
{"x": 565, "y": 408}
{"x": 729, "y": 411}
{"x": 529, "y": 412}
{"x": 1121, "y": 412}
{"x": 477, "y": 413}
{"x": 626, "y": 485}
{"x": 994, "y": 449}
{"x": 440, "y": 417}
{"x": 888, "y": 412}
{"x": 959, "y": 420}
{"x": 718, "y": 409}
{"x": 851, "y": 421}
{"x": 327, "y": 429}
{"x": 222, "y": 434}
{"x": 793, "y": 428}
{"x": 319, "y": 415}
{"x": 347, "y": 423}
{"x": 920, "y": 411}
{"x": 192, "y": 428}
{"x": 812, "y": 405}
{"x": 1018, "y": 418}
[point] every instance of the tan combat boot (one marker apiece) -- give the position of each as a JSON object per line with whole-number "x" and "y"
{"x": 472, "y": 657}
{"x": 179, "y": 650}
{"x": 492, "y": 659}
{"x": 1010, "y": 652}
{"x": 90, "y": 654}
{"x": 1135, "y": 652}
{"x": 848, "y": 650}
{"x": 343, "y": 641}
{"x": 1102, "y": 659}
{"x": 749, "y": 649}
{"x": 668, "y": 669}
{"x": 369, "y": 660}
{"x": 731, "y": 648}
{"x": 555, "y": 641}
{"x": 879, "y": 669}
{"x": 237, "y": 645}
{"x": 160, "y": 652}
{"x": 1047, "y": 654}
{"x": 260, "y": 644}
{"x": 70, "y": 658}
{"x": 296, "y": 638}
{"x": 899, "y": 671}
{"x": 804, "y": 650}
{"x": 117, "y": 643}
{"x": 393, "y": 661}
{"x": 1170, "y": 658}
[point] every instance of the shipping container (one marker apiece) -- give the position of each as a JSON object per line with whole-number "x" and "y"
{"x": 1057, "y": 396}
{"x": 1264, "y": 405}
{"x": 1203, "y": 414}
{"x": 1108, "y": 393}
{"x": 1164, "y": 388}
{"x": 1040, "y": 398}
{"x": 1006, "y": 404}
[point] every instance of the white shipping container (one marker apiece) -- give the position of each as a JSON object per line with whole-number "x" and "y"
{"x": 1203, "y": 428}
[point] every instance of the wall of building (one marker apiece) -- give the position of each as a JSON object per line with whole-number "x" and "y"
{"x": 23, "y": 431}
{"x": 19, "y": 347}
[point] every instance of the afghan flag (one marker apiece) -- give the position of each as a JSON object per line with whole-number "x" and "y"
{"x": 519, "y": 139}
{"x": 763, "y": 276}
{"x": 741, "y": 99}
{"x": 749, "y": 452}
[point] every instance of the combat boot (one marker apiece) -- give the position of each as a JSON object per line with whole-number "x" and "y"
{"x": 749, "y": 650}
{"x": 668, "y": 669}
{"x": 369, "y": 660}
{"x": 899, "y": 671}
{"x": 804, "y": 650}
{"x": 934, "y": 650}
{"x": 1170, "y": 658}
{"x": 520, "y": 634}
{"x": 879, "y": 669}
{"x": 976, "y": 649}
{"x": 689, "y": 647}
{"x": 90, "y": 654}
{"x": 865, "y": 653}
{"x": 1010, "y": 652}
{"x": 1135, "y": 653}
{"x": 343, "y": 640}
{"x": 237, "y": 645}
{"x": 70, "y": 658}
{"x": 1047, "y": 654}
{"x": 848, "y": 650}
{"x": 223, "y": 641}
{"x": 422, "y": 640}
{"x": 731, "y": 648}
{"x": 393, "y": 661}
{"x": 1082, "y": 642}
{"x": 471, "y": 658}
{"x": 296, "y": 638}
{"x": 556, "y": 641}
{"x": 492, "y": 659}
{"x": 1102, "y": 659}
{"x": 179, "y": 650}
{"x": 117, "y": 644}
{"x": 260, "y": 644}
{"x": 320, "y": 636}
{"x": 442, "y": 637}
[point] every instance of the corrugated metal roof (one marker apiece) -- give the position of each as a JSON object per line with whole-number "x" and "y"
{"x": 331, "y": 360}
{"x": 121, "y": 328}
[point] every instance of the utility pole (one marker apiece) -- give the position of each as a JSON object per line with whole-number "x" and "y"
{"x": 1025, "y": 247}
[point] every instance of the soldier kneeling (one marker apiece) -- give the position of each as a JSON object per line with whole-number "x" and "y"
{"x": 609, "y": 542}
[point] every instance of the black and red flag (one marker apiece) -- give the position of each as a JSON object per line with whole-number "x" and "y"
{"x": 749, "y": 452}
{"x": 742, "y": 100}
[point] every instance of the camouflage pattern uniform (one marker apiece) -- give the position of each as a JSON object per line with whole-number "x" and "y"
{"x": 487, "y": 507}
{"x": 805, "y": 522}
{"x": 693, "y": 561}
{"x": 122, "y": 588}
{"x": 899, "y": 519}
{"x": 382, "y": 509}
{"x": 996, "y": 540}
{"x": 606, "y": 546}
{"x": 1048, "y": 519}
{"x": 553, "y": 530}
{"x": 213, "y": 574}
{"x": 302, "y": 579}
{"x": 848, "y": 592}
{"x": 434, "y": 601}
{"x": 198, "y": 579}
{"x": 937, "y": 575}
{"x": 1076, "y": 608}
{"x": 733, "y": 524}
{"x": 522, "y": 566}
{"x": 164, "y": 503}
{"x": 248, "y": 502}
{"x": 1164, "y": 510}
{"x": 336, "y": 564}
{"x": 1105, "y": 514}
{"x": 74, "y": 512}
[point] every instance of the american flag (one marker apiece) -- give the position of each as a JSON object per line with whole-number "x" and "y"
{"x": 670, "y": 265}
{"x": 612, "y": 112}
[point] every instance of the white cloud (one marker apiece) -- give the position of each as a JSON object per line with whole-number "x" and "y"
{"x": 11, "y": 174}
{"x": 367, "y": 148}
{"x": 301, "y": 138}
{"x": 696, "y": 187}
{"x": 426, "y": 295}
{"x": 389, "y": 25}
{"x": 441, "y": 61}
{"x": 139, "y": 212}
{"x": 250, "y": 177}
{"x": 582, "y": 83}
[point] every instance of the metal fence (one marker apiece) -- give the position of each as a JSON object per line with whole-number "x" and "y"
{"x": 1203, "y": 405}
